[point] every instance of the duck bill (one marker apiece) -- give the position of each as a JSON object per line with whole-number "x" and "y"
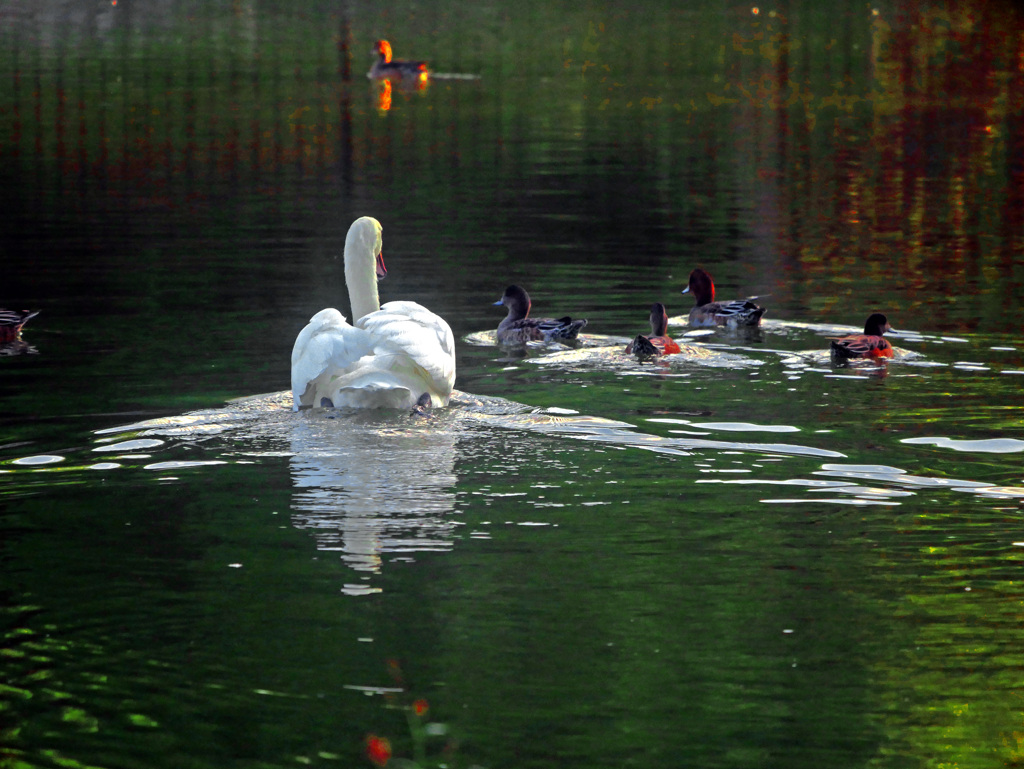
{"x": 382, "y": 271}
{"x": 685, "y": 290}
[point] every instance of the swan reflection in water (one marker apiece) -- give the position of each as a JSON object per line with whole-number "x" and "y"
{"x": 366, "y": 486}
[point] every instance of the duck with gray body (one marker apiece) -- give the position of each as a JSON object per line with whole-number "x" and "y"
{"x": 707, "y": 312}
{"x": 518, "y": 328}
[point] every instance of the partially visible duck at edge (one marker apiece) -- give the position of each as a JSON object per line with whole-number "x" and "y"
{"x": 658, "y": 342}
{"x": 870, "y": 344}
{"x": 387, "y": 69}
{"x": 518, "y": 328}
{"x": 708, "y": 312}
{"x": 11, "y": 322}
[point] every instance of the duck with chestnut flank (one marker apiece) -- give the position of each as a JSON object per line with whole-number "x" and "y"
{"x": 11, "y": 322}
{"x": 870, "y": 344}
{"x": 518, "y": 328}
{"x": 708, "y": 312}
{"x": 658, "y": 342}
{"x": 385, "y": 68}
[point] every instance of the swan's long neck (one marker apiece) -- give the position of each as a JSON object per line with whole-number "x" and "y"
{"x": 361, "y": 248}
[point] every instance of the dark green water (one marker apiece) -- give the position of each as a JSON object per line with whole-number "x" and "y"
{"x": 765, "y": 562}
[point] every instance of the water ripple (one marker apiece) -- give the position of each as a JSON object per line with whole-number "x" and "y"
{"x": 987, "y": 446}
{"x": 730, "y": 426}
{"x": 177, "y": 465}
{"x": 38, "y": 460}
{"x": 895, "y": 483}
{"x": 133, "y": 445}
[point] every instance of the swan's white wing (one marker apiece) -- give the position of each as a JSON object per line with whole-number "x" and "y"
{"x": 429, "y": 330}
{"x": 413, "y": 334}
{"x": 326, "y": 347}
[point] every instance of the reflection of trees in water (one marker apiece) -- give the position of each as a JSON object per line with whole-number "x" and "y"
{"x": 893, "y": 158}
{"x": 883, "y": 145}
{"x": 364, "y": 489}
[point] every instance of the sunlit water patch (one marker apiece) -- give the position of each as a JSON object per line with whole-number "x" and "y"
{"x": 39, "y": 460}
{"x": 983, "y": 446}
{"x": 742, "y": 427}
{"x": 773, "y": 326}
{"x": 616, "y": 359}
{"x": 489, "y": 338}
{"x": 133, "y": 445}
{"x": 887, "y": 485}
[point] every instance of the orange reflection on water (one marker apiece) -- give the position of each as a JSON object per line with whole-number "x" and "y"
{"x": 384, "y": 96}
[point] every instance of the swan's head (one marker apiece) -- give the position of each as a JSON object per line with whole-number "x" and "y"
{"x": 365, "y": 235}
{"x": 516, "y": 299}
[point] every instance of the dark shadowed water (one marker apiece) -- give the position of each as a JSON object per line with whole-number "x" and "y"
{"x": 742, "y": 557}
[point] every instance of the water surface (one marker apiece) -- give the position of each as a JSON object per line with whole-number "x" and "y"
{"x": 745, "y": 558}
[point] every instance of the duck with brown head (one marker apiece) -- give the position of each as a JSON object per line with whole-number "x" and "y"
{"x": 708, "y": 312}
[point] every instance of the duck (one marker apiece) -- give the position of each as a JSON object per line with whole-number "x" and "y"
{"x": 399, "y": 355}
{"x": 11, "y": 322}
{"x": 870, "y": 344}
{"x": 384, "y": 68}
{"x": 658, "y": 342}
{"x": 518, "y": 328}
{"x": 708, "y": 312}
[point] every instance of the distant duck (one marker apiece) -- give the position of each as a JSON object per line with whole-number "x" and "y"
{"x": 400, "y": 355}
{"x": 658, "y": 342}
{"x": 11, "y": 322}
{"x": 870, "y": 344}
{"x": 708, "y": 312}
{"x": 518, "y": 328}
{"x": 386, "y": 69}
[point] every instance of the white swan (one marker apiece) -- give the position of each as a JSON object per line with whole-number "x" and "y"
{"x": 393, "y": 357}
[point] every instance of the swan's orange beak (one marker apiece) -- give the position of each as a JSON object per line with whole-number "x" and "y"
{"x": 382, "y": 271}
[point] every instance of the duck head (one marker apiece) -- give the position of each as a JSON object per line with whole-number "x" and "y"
{"x": 877, "y": 324}
{"x": 701, "y": 286}
{"x": 382, "y": 48}
{"x": 517, "y": 301}
{"x": 659, "y": 319}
